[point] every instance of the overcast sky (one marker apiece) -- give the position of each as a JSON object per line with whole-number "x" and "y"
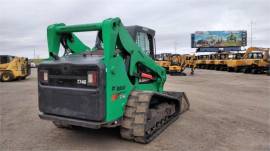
{"x": 23, "y": 23}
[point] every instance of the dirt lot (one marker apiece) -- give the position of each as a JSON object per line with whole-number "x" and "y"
{"x": 229, "y": 112}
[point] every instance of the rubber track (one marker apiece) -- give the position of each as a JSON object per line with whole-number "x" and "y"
{"x": 134, "y": 122}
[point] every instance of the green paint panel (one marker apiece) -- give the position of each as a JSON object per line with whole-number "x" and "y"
{"x": 77, "y": 44}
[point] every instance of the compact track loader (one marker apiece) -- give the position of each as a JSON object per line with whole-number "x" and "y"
{"x": 116, "y": 83}
{"x": 12, "y": 68}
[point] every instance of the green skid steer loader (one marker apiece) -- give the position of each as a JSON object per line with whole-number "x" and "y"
{"x": 115, "y": 83}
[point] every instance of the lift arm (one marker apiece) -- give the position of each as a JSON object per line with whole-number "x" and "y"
{"x": 114, "y": 36}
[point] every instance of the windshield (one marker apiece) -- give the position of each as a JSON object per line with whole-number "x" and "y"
{"x": 166, "y": 56}
{"x": 175, "y": 60}
{"x": 5, "y": 59}
{"x": 159, "y": 57}
{"x": 255, "y": 56}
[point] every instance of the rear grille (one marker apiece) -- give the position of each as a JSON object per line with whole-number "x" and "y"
{"x": 68, "y": 75}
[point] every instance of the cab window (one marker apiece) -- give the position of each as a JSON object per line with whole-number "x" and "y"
{"x": 255, "y": 55}
{"x": 250, "y": 56}
{"x": 4, "y": 59}
{"x": 143, "y": 41}
{"x": 259, "y": 56}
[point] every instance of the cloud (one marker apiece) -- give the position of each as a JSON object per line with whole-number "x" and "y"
{"x": 23, "y": 23}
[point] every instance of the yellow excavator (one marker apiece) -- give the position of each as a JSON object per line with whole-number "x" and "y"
{"x": 13, "y": 68}
{"x": 191, "y": 62}
{"x": 176, "y": 67}
{"x": 163, "y": 60}
{"x": 180, "y": 62}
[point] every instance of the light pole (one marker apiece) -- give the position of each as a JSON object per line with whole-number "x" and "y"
{"x": 175, "y": 47}
{"x": 34, "y": 53}
{"x": 251, "y": 23}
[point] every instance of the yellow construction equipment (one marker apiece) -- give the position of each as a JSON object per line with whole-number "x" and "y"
{"x": 12, "y": 68}
{"x": 191, "y": 62}
{"x": 201, "y": 61}
{"x": 163, "y": 60}
{"x": 178, "y": 65}
{"x": 175, "y": 67}
{"x": 234, "y": 62}
{"x": 220, "y": 62}
{"x": 210, "y": 62}
{"x": 254, "y": 60}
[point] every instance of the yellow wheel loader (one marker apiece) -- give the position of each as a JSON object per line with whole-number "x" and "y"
{"x": 191, "y": 62}
{"x": 12, "y": 68}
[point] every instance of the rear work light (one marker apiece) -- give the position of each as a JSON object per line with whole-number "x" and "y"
{"x": 92, "y": 78}
{"x": 43, "y": 76}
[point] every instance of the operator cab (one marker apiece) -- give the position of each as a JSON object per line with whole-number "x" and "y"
{"x": 144, "y": 38}
{"x": 6, "y": 59}
{"x": 203, "y": 57}
{"x": 158, "y": 57}
{"x": 255, "y": 55}
{"x": 163, "y": 57}
{"x": 175, "y": 59}
{"x": 236, "y": 56}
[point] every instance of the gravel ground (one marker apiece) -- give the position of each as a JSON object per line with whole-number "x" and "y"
{"x": 229, "y": 112}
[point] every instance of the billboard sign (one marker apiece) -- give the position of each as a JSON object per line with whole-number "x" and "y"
{"x": 218, "y": 39}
